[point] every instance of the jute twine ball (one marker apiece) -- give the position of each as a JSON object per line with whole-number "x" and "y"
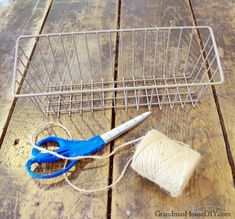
{"x": 166, "y": 162}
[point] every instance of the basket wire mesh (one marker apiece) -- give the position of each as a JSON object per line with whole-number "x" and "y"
{"x": 98, "y": 70}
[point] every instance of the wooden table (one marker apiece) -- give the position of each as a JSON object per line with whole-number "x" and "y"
{"x": 209, "y": 127}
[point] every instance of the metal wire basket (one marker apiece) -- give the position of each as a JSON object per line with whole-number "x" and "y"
{"x": 97, "y": 70}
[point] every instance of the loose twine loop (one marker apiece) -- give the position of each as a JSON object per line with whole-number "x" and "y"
{"x": 37, "y": 131}
{"x": 164, "y": 161}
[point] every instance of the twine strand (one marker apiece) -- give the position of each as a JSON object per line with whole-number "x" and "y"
{"x": 42, "y": 127}
{"x": 166, "y": 162}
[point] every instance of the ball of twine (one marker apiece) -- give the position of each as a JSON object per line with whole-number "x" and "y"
{"x": 164, "y": 161}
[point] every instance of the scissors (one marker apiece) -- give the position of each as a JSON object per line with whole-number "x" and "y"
{"x": 72, "y": 148}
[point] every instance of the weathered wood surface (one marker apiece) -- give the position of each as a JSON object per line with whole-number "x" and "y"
{"x": 220, "y": 16}
{"x": 211, "y": 187}
{"x": 20, "y": 195}
{"x": 16, "y": 18}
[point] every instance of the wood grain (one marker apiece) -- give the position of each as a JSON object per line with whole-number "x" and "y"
{"x": 16, "y": 18}
{"x": 220, "y": 16}
{"x": 211, "y": 187}
{"x": 22, "y": 196}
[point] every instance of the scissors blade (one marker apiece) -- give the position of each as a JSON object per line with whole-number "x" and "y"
{"x": 116, "y": 132}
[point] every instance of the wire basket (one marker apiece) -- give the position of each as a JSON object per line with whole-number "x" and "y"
{"x": 98, "y": 70}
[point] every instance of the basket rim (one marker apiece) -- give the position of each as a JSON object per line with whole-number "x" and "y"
{"x": 16, "y": 93}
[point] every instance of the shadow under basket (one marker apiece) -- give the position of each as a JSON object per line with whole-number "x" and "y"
{"x": 103, "y": 69}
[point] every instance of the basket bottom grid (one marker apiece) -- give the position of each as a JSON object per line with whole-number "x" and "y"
{"x": 101, "y": 100}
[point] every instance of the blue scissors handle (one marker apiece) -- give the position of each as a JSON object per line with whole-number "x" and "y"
{"x": 63, "y": 146}
{"x": 31, "y": 161}
{"x": 67, "y": 148}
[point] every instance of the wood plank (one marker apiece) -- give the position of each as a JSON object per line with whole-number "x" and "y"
{"x": 220, "y": 16}
{"x": 16, "y": 18}
{"x": 211, "y": 187}
{"x": 22, "y": 196}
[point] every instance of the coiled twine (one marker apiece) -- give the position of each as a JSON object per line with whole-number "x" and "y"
{"x": 164, "y": 161}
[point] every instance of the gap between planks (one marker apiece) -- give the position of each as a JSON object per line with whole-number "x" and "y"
{"x": 11, "y": 111}
{"x": 113, "y": 117}
{"x": 216, "y": 99}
